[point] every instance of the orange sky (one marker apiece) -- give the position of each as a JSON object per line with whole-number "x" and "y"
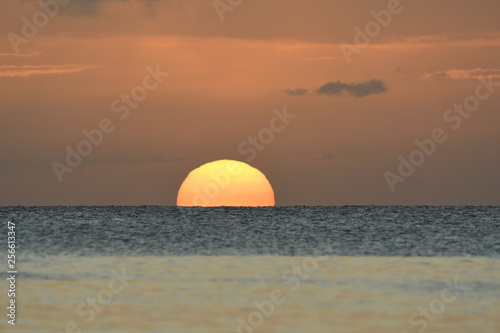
{"x": 225, "y": 79}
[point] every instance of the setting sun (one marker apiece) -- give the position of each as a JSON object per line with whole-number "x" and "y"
{"x": 225, "y": 183}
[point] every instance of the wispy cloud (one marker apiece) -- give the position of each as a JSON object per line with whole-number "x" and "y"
{"x": 463, "y": 74}
{"x": 425, "y": 41}
{"x": 28, "y": 70}
{"x": 296, "y": 92}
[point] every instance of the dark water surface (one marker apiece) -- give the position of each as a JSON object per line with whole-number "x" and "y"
{"x": 353, "y": 269}
{"x": 283, "y": 231}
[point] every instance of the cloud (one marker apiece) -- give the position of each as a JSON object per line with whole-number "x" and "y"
{"x": 357, "y": 90}
{"x": 296, "y": 92}
{"x": 84, "y": 7}
{"x": 329, "y": 157}
{"x": 93, "y": 7}
{"x": 463, "y": 74}
{"x": 465, "y": 39}
{"x": 28, "y": 70}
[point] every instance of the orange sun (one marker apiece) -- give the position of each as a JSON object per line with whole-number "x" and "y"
{"x": 225, "y": 183}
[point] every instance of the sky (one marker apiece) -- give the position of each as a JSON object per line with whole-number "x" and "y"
{"x": 336, "y": 102}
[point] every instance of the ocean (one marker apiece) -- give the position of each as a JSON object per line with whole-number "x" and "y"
{"x": 236, "y": 269}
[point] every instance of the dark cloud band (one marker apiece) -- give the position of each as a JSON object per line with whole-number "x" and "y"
{"x": 358, "y": 90}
